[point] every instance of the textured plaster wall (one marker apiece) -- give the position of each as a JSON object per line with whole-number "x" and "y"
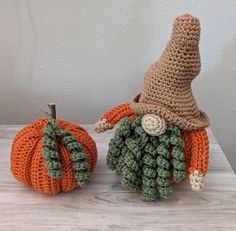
{"x": 90, "y": 55}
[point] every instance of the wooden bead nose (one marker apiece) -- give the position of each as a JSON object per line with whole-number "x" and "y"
{"x": 153, "y": 124}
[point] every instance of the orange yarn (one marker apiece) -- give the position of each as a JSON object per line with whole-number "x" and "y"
{"x": 200, "y": 151}
{"x": 27, "y": 163}
{"x": 115, "y": 114}
{"x": 196, "y": 150}
{"x": 185, "y": 135}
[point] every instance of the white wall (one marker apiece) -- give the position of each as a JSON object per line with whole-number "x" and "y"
{"x": 90, "y": 55}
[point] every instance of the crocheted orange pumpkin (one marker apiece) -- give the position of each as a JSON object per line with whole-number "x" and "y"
{"x": 52, "y": 155}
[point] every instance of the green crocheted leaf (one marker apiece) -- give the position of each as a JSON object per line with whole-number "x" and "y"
{"x": 78, "y": 157}
{"x": 49, "y": 153}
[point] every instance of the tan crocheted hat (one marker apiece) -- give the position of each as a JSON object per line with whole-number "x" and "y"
{"x": 167, "y": 83}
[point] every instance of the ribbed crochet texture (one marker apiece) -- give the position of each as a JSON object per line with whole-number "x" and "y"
{"x": 50, "y": 157}
{"x": 167, "y": 83}
{"x": 147, "y": 163}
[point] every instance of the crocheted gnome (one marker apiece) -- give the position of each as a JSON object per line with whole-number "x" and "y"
{"x": 162, "y": 137}
{"x": 52, "y": 155}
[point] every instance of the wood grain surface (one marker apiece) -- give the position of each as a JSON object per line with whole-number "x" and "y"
{"x": 105, "y": 205}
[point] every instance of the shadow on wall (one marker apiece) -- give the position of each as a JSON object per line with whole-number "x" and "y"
{"x": 22, "y": 93}
{"x": 222, "y": 97}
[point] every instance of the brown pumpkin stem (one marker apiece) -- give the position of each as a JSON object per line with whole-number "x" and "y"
{"x": 52, "y": 108}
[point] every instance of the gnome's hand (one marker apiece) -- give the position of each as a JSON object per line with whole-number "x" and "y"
{"x": 113, "y": 116}
{"x": 102, "y": 125}
{"x": 196, "y": 181}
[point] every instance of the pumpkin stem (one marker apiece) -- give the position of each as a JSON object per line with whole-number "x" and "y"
{"x": 52, "y": 108}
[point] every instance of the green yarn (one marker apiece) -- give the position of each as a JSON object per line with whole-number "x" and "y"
{"x": 49, "y": 153}
{"x": 52, "y": 157}
{"x": 146, "y": 163}
{"x": 78, "y": 158}
{"x": 178, "y": 162}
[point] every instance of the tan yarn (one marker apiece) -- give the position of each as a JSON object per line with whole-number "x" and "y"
{"x": 167, "y": 83}
{"x": 153, "y": 124}
{"x": 196, "y": 181}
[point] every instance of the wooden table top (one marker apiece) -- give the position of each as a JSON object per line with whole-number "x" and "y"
{"x": 105, "y": 205}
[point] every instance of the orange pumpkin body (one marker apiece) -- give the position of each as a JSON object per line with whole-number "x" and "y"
{"x": 28, "y": 164}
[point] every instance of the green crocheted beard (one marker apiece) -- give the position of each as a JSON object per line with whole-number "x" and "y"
{"x": 147, "y": 163}
{"x": 52, "y": 157}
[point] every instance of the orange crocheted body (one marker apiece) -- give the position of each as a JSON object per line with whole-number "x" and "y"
{"x": 28, "y": 165}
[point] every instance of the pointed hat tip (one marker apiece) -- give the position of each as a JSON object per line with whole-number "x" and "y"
{"x": 186, "y": 30}
{"x": 187, "y": 16}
